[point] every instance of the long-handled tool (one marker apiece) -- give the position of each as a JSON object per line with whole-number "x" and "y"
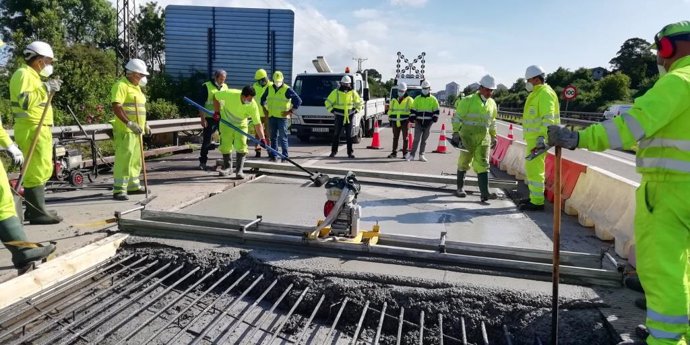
{"x": 86, "y": 135}
{"x": 34, "y": 142}
{"x": 556, "y": 234}
{"x": 143, "y": 157}
{"x": 317, "y": 178}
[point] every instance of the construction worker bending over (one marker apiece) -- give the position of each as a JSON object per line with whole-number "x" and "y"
{"x": 11, "y": 233}
{"x": 129, "y": 106}
{"x": 541, "y": 110}
{"x": 236, "y": 107}
{"x": 208, "y": 89}
{"x": 425, "y": 111}
{"x": 659, "y": 121}
{"x": 279, "y": 100}
{"x": 29, "y": 101}
{"x": 261, "y": 84}
{"x": 474, "y": 130}
{"x": 343, "y": 103}
{"x": 399, "y": 115}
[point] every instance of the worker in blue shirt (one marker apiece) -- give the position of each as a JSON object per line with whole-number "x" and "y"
{"x": 279, "y": 100}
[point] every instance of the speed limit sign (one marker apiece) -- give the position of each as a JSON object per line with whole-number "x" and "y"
{"x": 570, "y": 92}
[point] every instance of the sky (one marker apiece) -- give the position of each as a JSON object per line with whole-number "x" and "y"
{"x": 464, "y": 40}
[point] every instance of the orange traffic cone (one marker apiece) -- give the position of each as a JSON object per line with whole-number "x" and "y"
{"x": 510, "y": 132}
{"x": 410, "y": 137}
{"x": 442, "y": 141}
{"x": 375, "y": 140}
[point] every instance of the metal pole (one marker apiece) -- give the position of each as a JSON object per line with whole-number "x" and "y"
{"x": 311, "y": 318}
{"x": 556, "y": 245}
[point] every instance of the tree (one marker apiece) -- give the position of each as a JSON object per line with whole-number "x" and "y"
{"x": 560, "y": 77}
{"x": 450, "y": 99}
{"x": 374, "y": 74}
{"x": 150, "y": 31}
{"x": 518, "y": 86}
{"x": 635, "y": 60}
{"x": 90, "y": 21}
{"x": 614, "y": 87}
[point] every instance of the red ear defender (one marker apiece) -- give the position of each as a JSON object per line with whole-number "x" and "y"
{"x": 666, "y": 48}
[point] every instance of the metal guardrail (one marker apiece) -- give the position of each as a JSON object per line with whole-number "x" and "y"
{"x": 105, "y": 131}
{"x": 516, "y": 116}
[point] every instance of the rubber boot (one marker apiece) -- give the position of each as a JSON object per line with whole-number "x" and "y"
{"x": 460, "y": 192}
{"x": 240, "y": 166}
{"x": 18, "y": 208}
{"x": 36, "y": 212}
{"x": 227, "y": 165}
{"x": 24, "y": 255}
{"x": 483, "y": 181}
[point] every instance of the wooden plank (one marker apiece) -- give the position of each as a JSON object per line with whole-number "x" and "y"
{"x": 385, "y": 175}
{"x": 59, "y": 269}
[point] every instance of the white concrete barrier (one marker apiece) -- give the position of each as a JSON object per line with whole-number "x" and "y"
{"x": 514, "y": 161}
{"x": 607, "y": 202}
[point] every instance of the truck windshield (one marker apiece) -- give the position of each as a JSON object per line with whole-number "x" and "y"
{"x": 313, "y": 90}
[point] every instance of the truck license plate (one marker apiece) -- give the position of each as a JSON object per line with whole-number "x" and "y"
{"x": 319, "y": 130}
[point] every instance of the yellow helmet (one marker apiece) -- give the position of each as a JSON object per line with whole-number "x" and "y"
{"x": 278, "y": 76}
{"x": 260, "y": 74}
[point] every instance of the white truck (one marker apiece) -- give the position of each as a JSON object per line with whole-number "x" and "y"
{"x": 313, "y": 120}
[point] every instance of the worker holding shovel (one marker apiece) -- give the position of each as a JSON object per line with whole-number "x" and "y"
{"x": 236, "y": 107}
{"x": 33, "y": 120}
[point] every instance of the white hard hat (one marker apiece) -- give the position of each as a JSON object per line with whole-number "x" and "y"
{"x": 488, "y": 82}
{"x": 38, "y": 48}
{"x": 533, "y": 71}
{"x": 346, "y": 80}
{"x": 426, "y": 85}
{"x": 137, "y": 66}
{"x": 402, "y": 86}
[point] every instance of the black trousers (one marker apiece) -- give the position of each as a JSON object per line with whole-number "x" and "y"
{"x": 403, "y": 129}
{"x": 339, "y": 125}
{"x": 206, "y": 135}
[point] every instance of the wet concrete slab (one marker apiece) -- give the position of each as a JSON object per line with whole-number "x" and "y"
{"x": 400, "y": 209}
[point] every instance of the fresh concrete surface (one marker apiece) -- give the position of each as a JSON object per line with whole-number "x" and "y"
{"x": 399, "y": 210}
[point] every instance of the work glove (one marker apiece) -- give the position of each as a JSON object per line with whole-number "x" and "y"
{"x": 435, "y": 119}
{"x": 53, "y": 85}
{"x": 563, "y": 137}
{"x": 455, "y": 140}
{"x": 147, "y": 129}
{"x": 204, "y": 123}
{"x": 412, "y": 118}
{"x": 216, "y": 116}
{"x": 493, "y": 142}
{"x": 134, "y": 127}
{"x": 16, "y": 153}
{"x": 263, "y": 143}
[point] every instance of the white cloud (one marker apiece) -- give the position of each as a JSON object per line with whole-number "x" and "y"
{"x": 369, "y": 13}
{"x": 413, "y": 3}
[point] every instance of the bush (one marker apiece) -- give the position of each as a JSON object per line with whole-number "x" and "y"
{"x": 161, "y": 109}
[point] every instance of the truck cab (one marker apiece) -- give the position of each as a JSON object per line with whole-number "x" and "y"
{"x": 313, "y": 120}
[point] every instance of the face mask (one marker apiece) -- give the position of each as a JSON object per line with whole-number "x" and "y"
{"x": 143, "y": 81}
{"x": 662, "y": 70}
{"x": 278, "y": 83}
{"x": 345, "y": 87}
{"x": 263, "y": 82}
{"x": 529, "y": 87}
{"x": 46, "y": 71}
{"x": 483, "y": 98}
{"x": 401, "y": 94}
{"x": 425, "y": 92}
{"x": 246, "y": 101}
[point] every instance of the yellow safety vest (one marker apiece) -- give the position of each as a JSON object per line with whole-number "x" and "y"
{"x": 400, "y": 110}
{"x": 234, "y": 111}
{"x": 28, "y": 97}
{"x": 541, "y": 110}
{"x": 211, "y": 90}
{"x": 343, "y": 103}
{"x": 133, "y": 102}
{"x": 277, "y": 102}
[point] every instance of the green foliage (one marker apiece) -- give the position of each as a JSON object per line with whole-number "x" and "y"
{"x": 614, "y": 87}
{"x": 636, "y": 60}
{"x": 450, "y": 99}
{"x": 150, "y": 31}
{"x": 161, "y": 109}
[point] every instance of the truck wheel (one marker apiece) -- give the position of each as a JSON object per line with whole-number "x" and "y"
{"x": 358, "y": 138}
{"x": 369, "y": 128}
{"x": 303, "y": 138}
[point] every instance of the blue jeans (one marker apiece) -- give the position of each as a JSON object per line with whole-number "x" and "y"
{"x": 278, "y": 128}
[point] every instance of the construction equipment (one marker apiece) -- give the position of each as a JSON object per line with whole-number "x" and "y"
{"x": 68, "y": 163}
{"x": 536, "y": 151}
{"x": 343, "y": 213}
{"x": 317, "y": 178}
